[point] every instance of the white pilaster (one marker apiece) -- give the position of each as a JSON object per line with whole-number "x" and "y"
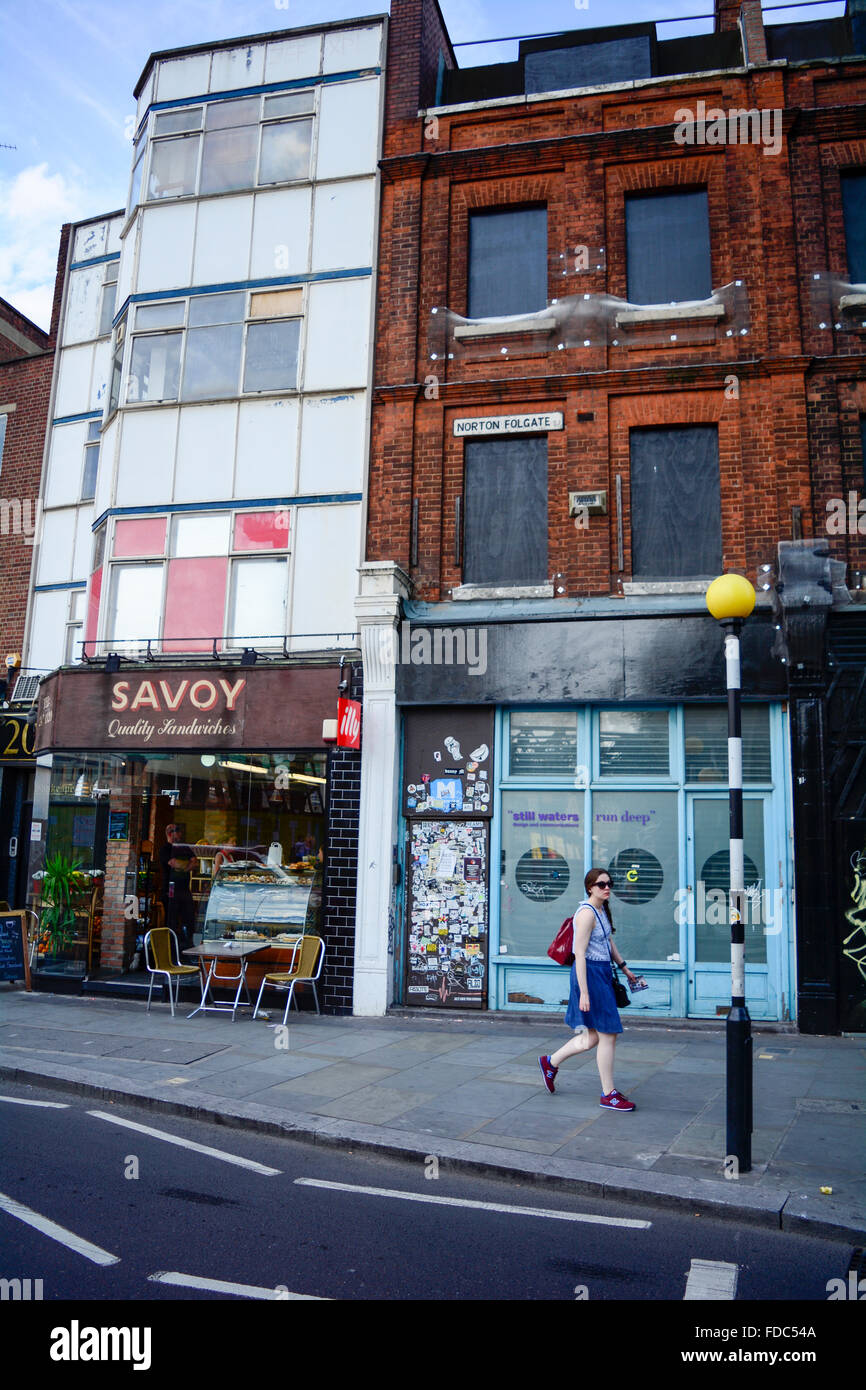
{"x": 382, "y": 588}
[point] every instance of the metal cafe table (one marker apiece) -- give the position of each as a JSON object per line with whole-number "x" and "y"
{"x": 236, "y": 952}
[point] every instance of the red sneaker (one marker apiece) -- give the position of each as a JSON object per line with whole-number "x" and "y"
{"x": 615, "y": 1101}
{"x": 548, "y": 1072}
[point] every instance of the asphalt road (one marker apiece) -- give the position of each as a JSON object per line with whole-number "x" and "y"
{"x": 329, "y": 1224}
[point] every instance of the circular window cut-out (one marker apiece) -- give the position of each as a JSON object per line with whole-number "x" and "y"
{"x": 542, "y": 875}
{"x": 716, "y": 873}
{"x": 636, "y": 875}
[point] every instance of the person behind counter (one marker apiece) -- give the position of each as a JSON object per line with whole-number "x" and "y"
{"x": 177, "y": 863}
{"x": 226, "y": 854}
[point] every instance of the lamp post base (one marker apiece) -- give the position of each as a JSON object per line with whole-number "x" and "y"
{"x": 738, "y": 1040}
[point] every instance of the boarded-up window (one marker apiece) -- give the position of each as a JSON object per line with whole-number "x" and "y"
{"x": 505, "y": 528}
{"x": 676, "y": 527}
{"x": 854, "y": 208}
{"x": 668, "y": 247}
{"x": 507, "y": 263}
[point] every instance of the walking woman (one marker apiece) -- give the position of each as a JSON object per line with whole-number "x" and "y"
{"x": 592, "y": 1007}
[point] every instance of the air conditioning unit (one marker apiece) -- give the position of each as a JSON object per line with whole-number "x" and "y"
{"x": 26, "y": 689}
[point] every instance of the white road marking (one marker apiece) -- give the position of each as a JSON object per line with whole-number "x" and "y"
{"x": 187, "y": 1144}
{"x": 477, "y": 1206}
{"x": 58, "y": 1233}
{"x": 711, "y": 1281}
{"x": 46, "y": 1104}
{"x": 195, "y": 1281}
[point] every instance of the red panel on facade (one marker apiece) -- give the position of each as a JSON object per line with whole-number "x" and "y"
{"x": 262, "y": 530}
{"x": 194, "y": 603}
{"x": 92, "y": 624}
{"x": 143, "y": 535}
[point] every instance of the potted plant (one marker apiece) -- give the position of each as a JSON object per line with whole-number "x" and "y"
{"x": 61, "y": 885}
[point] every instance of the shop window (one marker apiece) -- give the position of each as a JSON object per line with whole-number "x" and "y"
{"x": 205, "y": 533}
{"x": 542, "y": 866}
{"x": 668, "y": 247}
{"x": 261, "y": 530}
{"x": 173, "y": 167}
{"x": 154, "y": 370}
{"x": 215, "y": 334}
{"x": 91, "y": 461}
{"x": 117, "y": 366}
{"x": 75, "y": 626}
{"x": 139, "y": 536}
{"x": 109, "y": 295}
{"x": 201, "y": 579}
{"x": 507, "y": 263}
{"x": 706, "y": 735}
{"x": 137, "y": 174}
{"x": 194, "y": 603}
{"x": 257, "y": 605}
{"x": 229, "y": 145}
{"x": 543, "y": 743}
{"x": 505, "y": 527}
{"x": 634, "y": 743}
{"x": 134, "y": 605}
{"x": 675, "y": 503}
{"x": 854, "y": 211}
{"x": 634, "y": 837}
{"x": 713, "y": 881}
{"x": 285, "y": 151}
{"x": 250, "y": 825}
{"x": 272, "y": 355}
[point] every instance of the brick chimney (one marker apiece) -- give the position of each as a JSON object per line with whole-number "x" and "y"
{"x": 418, "y": 49}
{"x": 728, "y": 14}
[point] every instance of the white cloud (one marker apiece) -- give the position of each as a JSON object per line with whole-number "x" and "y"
{"x": 33, "y": 206}
{"x": 35, "y": 196}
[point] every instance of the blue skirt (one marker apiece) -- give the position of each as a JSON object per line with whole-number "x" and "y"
{"x": 602, "y": 1014}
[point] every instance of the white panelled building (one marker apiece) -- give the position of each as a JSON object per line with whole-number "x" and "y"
{"x": 207, "y": 453}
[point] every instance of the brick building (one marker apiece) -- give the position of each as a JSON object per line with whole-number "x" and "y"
{"x": 26, "y": 362}
{"x": 619, "y": 351}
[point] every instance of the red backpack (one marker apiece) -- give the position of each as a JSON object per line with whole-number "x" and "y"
{"x": 561, "y": 948}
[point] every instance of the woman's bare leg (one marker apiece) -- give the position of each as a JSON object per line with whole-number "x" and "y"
{"x": 605, "y": 1059}
{"x": 581, "y": 1042}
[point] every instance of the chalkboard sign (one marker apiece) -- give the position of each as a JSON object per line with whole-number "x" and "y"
{"x": 13, "y": 965}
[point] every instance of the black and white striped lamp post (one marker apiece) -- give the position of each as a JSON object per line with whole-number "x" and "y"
{"x": 731, "y": 599}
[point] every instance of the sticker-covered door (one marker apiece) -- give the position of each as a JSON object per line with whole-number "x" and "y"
{"x": 447, "y": 956}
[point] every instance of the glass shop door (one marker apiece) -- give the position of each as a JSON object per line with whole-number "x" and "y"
{"x": 708, "y": 921}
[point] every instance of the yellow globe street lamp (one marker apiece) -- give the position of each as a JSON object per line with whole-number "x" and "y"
{"x": 730, "y": 599}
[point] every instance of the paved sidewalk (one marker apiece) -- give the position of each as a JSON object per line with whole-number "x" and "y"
{"x": 469, "y": 1090}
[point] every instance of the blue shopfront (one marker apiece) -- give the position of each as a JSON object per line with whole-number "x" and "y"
{"x": 641, "y": 792}
{"x": 635, "y": 785}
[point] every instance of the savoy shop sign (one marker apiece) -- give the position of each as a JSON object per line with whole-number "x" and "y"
{"x": 185, "y": 708}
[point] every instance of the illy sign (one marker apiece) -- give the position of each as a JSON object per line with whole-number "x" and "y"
{"x": 348, "y": 724}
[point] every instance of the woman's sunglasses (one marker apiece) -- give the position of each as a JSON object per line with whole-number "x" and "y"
{"x": 603, "y": 883}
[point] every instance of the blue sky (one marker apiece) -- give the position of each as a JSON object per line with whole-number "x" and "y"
{"x": 68, "y": 69}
